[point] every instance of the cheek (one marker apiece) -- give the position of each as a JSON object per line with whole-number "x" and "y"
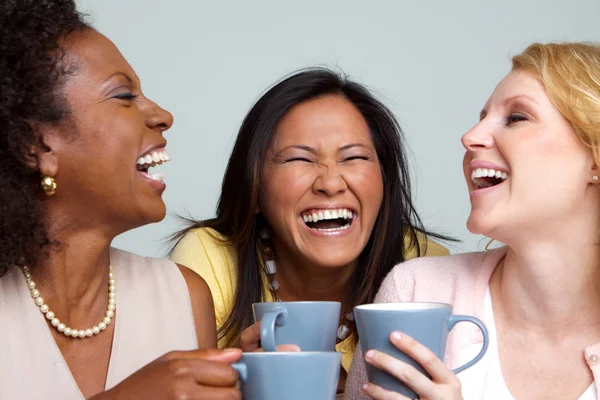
{"x": 368, "y": 185}
{"x": 281, "y": 190}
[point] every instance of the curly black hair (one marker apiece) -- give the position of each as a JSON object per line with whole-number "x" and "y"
{"x": 31, "y": 75}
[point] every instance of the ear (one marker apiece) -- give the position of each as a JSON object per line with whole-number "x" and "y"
{"x": 41, "y": 154}
{"x": 594, "y": 175}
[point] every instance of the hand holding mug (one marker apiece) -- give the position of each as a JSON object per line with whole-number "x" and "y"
{"x": 250, "y": 340}
{"x": 408, "y": 365}
{"x": 196, "y": 374}
{"x": 443, "y": 383}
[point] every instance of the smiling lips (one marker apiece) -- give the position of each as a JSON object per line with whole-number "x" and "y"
{"x": 152, "y": 159}
{"x": 329, "y": 220}
{"x": 487, "y": 177}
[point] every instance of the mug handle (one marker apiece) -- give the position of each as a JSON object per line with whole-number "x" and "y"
{"x": 241, "y": 370}
{"x": 275, "y": 317}
{"x": 453, "y": 320}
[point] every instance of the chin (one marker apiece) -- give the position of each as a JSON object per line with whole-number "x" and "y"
{"x": 155, "y": 213}
{"x": 334, "y": 262}
{"x": 478, "y": 225}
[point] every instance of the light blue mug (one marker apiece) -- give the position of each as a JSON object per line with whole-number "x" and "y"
{"x": 428, "y": 323}
{"x": 312, "y": 325}
{"x": 289, "y": 375}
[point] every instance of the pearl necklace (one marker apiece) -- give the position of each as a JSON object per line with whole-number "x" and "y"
{"x": 61, "y": 327}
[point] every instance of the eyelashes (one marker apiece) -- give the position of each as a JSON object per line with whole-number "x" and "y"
{"x": 126, "y": 96}
{"x": 514, "y": 118}
{"x": 304, "y": 159}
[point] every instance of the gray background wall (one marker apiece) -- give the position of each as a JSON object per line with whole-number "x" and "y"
{"x": 433, "y": 62}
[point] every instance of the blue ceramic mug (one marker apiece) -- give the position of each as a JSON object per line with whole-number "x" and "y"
{"x": 312, "y": 325}
{"x": 289, "y": 375}
{"x": 428, "y": 323}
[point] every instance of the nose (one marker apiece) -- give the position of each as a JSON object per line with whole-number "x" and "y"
{"x": 478, "y": 138}
{"x": 158, "y": 118}
{"x": 329, "y": 181}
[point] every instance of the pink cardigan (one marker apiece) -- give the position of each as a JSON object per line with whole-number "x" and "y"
{"x": 460, "y": 280}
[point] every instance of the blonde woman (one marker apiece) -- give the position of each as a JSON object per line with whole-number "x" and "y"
{"x": 531, "y": 166}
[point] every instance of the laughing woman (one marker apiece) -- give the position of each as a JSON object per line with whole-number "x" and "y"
{"x": 79, "y": 319}
{"x": 532, "y": 170}
{"x": 317, "y": 185}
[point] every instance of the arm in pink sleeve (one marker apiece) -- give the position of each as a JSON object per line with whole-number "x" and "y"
{"x": 397, "y": 287}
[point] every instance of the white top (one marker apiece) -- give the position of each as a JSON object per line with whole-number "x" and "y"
{"x": 154, "y": 316}
{"x": 484, "y": 380}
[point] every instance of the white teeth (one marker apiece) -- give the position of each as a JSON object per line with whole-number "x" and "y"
{"x": 484, "y": 172}
{"x": 154, "y": 158}
{"x": 478, "y": 173}
{"x": 316, "y": 216}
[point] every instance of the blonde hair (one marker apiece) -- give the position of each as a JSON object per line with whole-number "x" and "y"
{"x": 570, "y": 73}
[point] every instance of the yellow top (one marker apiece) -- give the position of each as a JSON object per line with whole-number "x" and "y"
{"x": 208, "y": 253}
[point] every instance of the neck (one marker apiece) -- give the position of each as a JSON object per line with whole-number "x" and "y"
{"x": 304, "y": 281}
{"x": 552, "y": 283}
{"x": 73, "y": 278}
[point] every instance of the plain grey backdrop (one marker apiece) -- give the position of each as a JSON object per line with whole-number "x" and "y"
{"x": 433, "y": 62}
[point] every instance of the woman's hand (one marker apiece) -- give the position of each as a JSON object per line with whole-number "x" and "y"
{"x": 198, "y": 374}
{"x": 250, "y": 340}
{"x": 442, "y": 385}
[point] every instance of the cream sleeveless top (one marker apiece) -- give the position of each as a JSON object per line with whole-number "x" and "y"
{"x": 154, "y": 316}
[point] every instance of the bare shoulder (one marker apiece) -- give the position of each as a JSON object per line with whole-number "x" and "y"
{"x": 202, "y": 308}
{"x": 197, "y": 286}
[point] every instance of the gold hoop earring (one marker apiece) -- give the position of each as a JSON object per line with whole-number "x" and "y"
{"x": 48, "y": 185}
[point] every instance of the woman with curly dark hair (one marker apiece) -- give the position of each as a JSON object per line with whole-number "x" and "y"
{"x": 77, "y": 138}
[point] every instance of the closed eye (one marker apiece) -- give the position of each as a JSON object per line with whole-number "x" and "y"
{"x": 125, "y": 96}
{"x": 357, "y": 158}
{"x": 514, "y": 118}
{"x": 291, "y": 159}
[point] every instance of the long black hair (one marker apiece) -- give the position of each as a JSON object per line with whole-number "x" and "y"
{"x": 236, "y": 218}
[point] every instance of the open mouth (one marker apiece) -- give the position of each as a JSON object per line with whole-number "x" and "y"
{"x": 485, "y": 177}
{"x": 329, "y": 220}
{"x": 152, "y": 159}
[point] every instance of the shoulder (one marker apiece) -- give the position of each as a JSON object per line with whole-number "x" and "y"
{"x": 206, "y": 236}
{"x": 125, "y": 260}
{"x": 429, "y": 277}
{"x": 197, "y": 286}
{"x": 202, "y": 308}
{"x": 202, "y": 243}
{"x": 464, "y": 263}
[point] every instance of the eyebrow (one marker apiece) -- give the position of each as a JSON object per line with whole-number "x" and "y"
{"x": 483, "y": 112}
